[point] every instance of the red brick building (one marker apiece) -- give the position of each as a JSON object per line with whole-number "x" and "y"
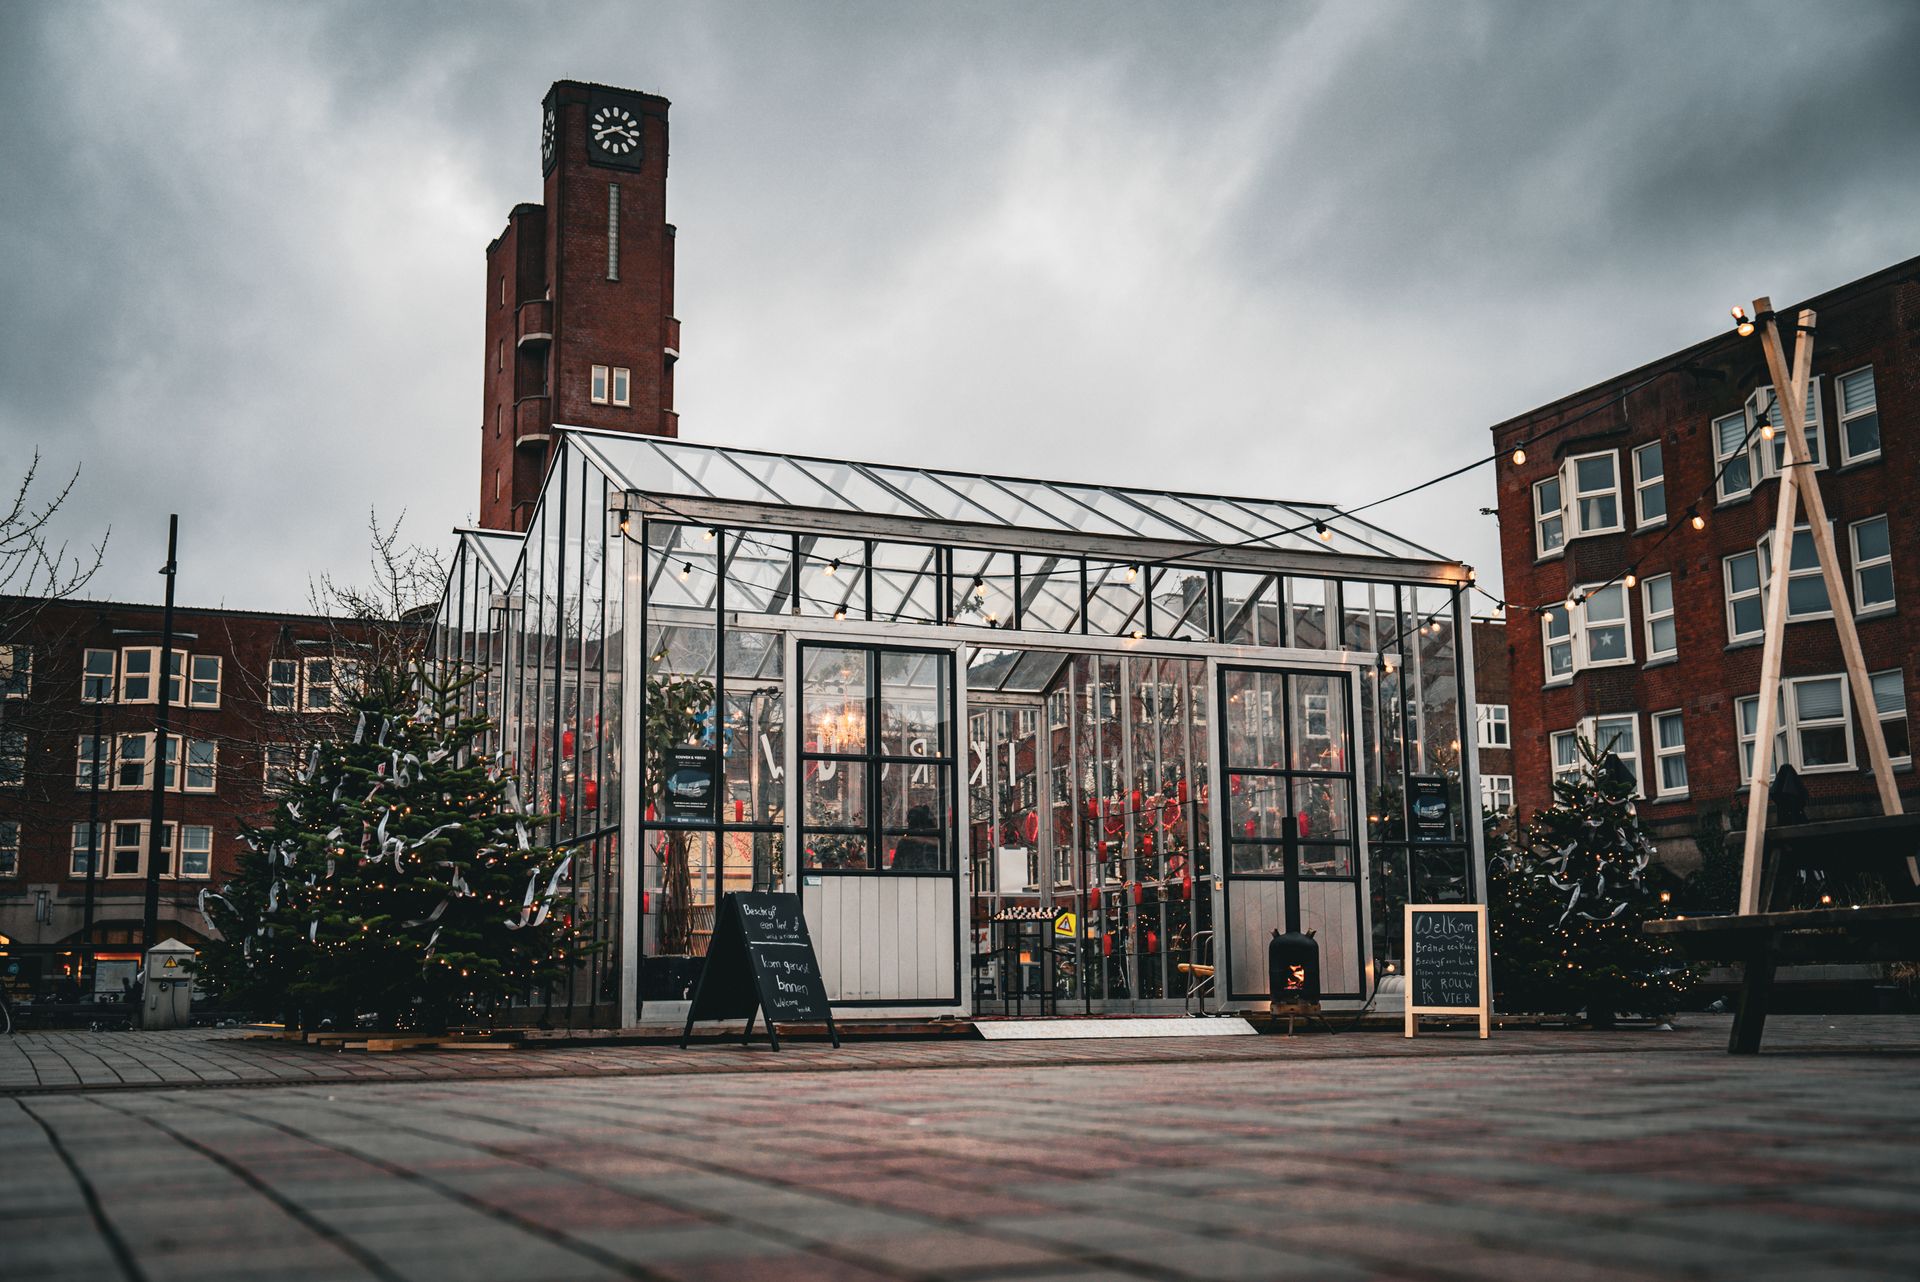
{"x": 79, "y": 693}
{"x": 1659, "y": 655}
{"x": 1493, "y": 697}
{"x": 579, "y": 294}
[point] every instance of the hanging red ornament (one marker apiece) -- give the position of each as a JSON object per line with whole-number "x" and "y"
{"x": 1249, "y": 827}
{"x": 1139, "y": 893}
{"x": 1032, "y": 827}
{"x": 1146, "y": 843}
{"x": 1100, "y": 850}
{"x": 1106, "y": 945}
{"x": 566, "y": 745}
{"x": 1186, "y": 885}
{"x": 590, "y": 795}
{"x": 1136, "y": 801}
{"x": 1153, "y": 942}
{"x": 1180, "y": 790}
{"x": 1305, "y": 822}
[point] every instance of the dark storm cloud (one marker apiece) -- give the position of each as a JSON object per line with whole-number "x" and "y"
{"x": 1291, "y": 249}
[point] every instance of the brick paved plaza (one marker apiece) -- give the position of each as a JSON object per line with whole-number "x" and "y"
{"x": 1556, "y": 1155}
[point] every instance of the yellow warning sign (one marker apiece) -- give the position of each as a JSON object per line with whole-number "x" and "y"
{"x": 170, "y": 964}
{"x": 1066, "y": 925}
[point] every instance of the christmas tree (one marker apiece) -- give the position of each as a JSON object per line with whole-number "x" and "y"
{"x": 399, "y": 876}
{"x": 1568, "y": 902}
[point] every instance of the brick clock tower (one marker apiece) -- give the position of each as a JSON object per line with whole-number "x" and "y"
{"x": 580, "y": 324}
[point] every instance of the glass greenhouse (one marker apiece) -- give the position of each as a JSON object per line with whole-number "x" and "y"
{"x": 1020, "y": 746}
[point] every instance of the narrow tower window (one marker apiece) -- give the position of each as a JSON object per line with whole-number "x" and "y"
{"x": 613, "y": 231}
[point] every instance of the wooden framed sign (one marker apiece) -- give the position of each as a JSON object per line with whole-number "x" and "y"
{"x": 1447, "y": 963}
{"x": 761, "y": 962}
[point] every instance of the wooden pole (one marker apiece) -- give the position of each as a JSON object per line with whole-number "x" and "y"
{"x": 1838, "y": 593}
{"x": 1800, "y": 467}
{"x": 1773, "y": 647}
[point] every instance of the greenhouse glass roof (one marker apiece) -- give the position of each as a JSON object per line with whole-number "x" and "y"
{"x": 713, "y": 483}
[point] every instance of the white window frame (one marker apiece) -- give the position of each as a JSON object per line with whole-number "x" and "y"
{"x": 90, "y": 676}
{"x": 621, "y": 388}
{"x": 207, "y": 770}
{"x": 1899, "y": 682}
{"x": 1571, "y": 767}
{"x": 1496, "y": 726}
{"x": 1550, "y": 642}
{"x": 151, "y": 676}
{"x": 1590, "y": 727}
{"x": 205, "y": 870}
{"x": 1584, "y": 627}
{"x": 169, "y": 839}
{"x": 1663, "y": 753}
{"x": 1802, "y": 574}
{"x": 1642, "y": 484}
{"x": 101, "y": 759}
{"x": 1789, "y": 744}
{"x": 1577, "y": 498}
{"x": 16, "y": 671}
{"x": 9, "y": 848}
{"x": 269, "y": 767}
{"x": 1772, "y": 455}
{"x": 597, "y": 385}
{"x": 1543, "y": 518}
{"x": 1496, "y": 793}
{"x": 308, "y": 685}
{"x": 1862, "y": 564}
{"x": 1650, "y": 616}
{"x": 79, "y": 853}
{"x": 289, "y": 688}
{"x": 177, "y": 680}
{"x": 1846, "y": 418}
{"x": 1758, "y": 593}
{"x": 121, "y": 760}
{"x": 1723, "y": 487}
{"x": 196, "y": 683}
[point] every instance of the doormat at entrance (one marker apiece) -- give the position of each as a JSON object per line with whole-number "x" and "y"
{"x": 1172, "y": 1026}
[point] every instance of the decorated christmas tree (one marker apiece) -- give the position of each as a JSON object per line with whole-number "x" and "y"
{"x": 1568, "y": 901}
{"x": 399, "y": 877}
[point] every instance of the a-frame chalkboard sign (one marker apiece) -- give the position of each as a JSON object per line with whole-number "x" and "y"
{"x": 760, "y": 961}
{"x": 1447, "y": 963}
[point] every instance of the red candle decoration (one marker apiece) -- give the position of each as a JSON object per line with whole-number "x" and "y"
{"x": 590, "y": 795}
{"x": 566, "y": 745}
{"x": 1106, "y": 945}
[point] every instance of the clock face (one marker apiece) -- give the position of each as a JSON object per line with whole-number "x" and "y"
{"x": 546, "y": 141}
{"x": 614, "y": 130}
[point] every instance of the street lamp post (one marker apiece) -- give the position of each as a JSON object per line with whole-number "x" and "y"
{"x": 157, "y": 761}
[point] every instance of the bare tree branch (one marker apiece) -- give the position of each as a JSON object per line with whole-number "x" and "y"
{"x": 34, "y": 569}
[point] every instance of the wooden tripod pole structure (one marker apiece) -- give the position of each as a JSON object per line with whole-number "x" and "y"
{"x": 1797, "y": 483}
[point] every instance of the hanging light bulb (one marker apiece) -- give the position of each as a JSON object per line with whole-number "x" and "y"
{"x": 1320, "y": 528}
{"x": 1742, "y": 323}
{"x": 840, "y": 613}
{"x": 1766, "y": 428}
{"x": 1519, "y": 455}
{"x": 1699, "y": 522}
{"x": 686, "y": 571}
{"x": 1630, "y": 580}
{"x": 979, "y": 590}
{"x": 1132, "y": 570}
{"x": 709, "y": 535}
{"x": 1137, "y": 634}
{"x": 833, "y": 567}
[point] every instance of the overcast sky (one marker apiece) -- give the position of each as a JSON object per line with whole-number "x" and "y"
{"x": 1297, "y": 250}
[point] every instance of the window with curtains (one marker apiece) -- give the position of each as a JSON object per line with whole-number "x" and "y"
{"x": 1732, "y": 459}
{"x": 1859, "y": 416}
{"x": 1566, "y": 755}
{"x": 1773, "y": 453}
{"x": 1596, "y": 493}
{"x": 1649, "y": 485}
{"x": 1815, "y": 720}
{"x": 1746, "y": 456}
{"x": 1595, "y": 633}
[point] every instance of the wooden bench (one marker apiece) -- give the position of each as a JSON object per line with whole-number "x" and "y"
{"x": 1881, "y": 850}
